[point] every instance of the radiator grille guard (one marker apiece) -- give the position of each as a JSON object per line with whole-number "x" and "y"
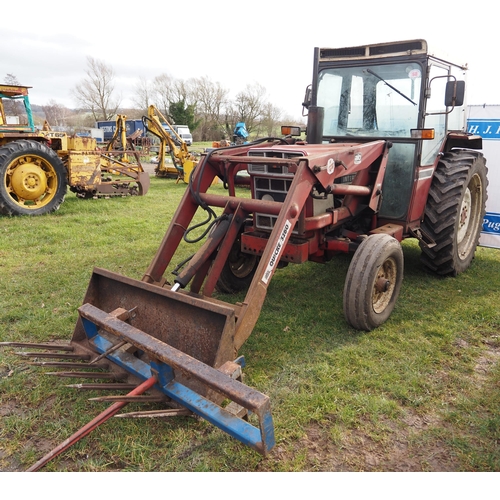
{"x": 272, "y": 183}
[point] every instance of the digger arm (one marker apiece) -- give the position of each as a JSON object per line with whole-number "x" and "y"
{"x": 180, "y": 153}
{"x": 120, "y": 134}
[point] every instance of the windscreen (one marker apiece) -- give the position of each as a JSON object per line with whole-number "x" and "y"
{"x": 370, "y": 100}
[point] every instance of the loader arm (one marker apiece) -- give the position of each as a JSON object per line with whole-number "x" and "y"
{"x": 178, "y": 332}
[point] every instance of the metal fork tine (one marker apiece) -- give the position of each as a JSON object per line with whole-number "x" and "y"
{"x": 85, "y": 375}
{"x": 102, "y": 387}
{"x": 63, "y": 364}
{"x": 83, "y": 357}
{"x": 54, "y": 347}
{"x": 131, "y": 399}
{"x": 156, "y": 413}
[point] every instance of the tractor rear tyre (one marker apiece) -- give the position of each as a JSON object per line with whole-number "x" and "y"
{"x": 373, "y": 282}
{"x": 454, "y": 212}
{"x": 238, "y": 271}
{"x": 32, "y": 179}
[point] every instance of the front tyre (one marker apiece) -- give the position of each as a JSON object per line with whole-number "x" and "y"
{"x": 454, "y": 212}
{"x": 373, "y": 282}
{"x": 238, "y": 271}
{"x": 32, "y": 179}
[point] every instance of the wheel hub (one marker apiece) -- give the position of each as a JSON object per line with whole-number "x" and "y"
{"x": 464, "y": 216}
{"x": 384, "y": 285}
{"x": 29, "y": 182}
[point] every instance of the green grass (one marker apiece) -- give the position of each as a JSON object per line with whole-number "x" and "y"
{"x": 421, "y": 392}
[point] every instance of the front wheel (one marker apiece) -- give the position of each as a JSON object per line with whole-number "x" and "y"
{"x": 373, "y": 282}
{"x": 238, "y": 271}
{"x": 32, "y": 179}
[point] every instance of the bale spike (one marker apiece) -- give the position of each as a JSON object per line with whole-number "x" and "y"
{"x": 112, "y": 376}
{"x": 53, "y": 347}
{"x": 64, "y": 364}
{"x": 83, "y": 357}
{"x": 102, "y": 387}
{"x": 88, "y": 428}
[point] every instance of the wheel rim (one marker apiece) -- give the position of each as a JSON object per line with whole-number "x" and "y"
{"x": 241, "y": 264}
{"x": 384, "y": 285}
{"x": 31, "y": 181}
{"x": 469, "y": 217}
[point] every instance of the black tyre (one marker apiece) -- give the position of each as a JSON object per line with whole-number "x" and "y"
{"x": 32, "y": 179}
{"x": 373, "y": 282}
{"x": 455, "y": 211}
{"x": 238, "y": 271}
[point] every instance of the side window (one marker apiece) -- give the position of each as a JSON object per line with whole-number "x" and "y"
{"x": 435, "y": 104}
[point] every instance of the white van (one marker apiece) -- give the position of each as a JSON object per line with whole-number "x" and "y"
{"x": 184, "y": 133}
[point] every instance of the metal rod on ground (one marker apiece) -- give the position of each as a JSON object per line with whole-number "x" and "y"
{"x": 86, "y": 429}
{"x": 109, "y": 351}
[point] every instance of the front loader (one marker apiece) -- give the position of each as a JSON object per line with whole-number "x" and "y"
{"x": 371, "y": 173}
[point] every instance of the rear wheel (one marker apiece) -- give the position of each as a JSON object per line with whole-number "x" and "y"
{"x": 238, "y": 271}
{"x": 32, "y": 179}
{"x": 454, "y": 212}
{"x": 373, "y": 282}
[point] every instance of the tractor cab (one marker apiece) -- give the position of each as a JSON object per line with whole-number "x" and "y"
{"x": 14, "y": 109}
{"x": 396, "y": 92}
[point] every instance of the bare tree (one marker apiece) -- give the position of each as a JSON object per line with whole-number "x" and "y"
{"x": 211, "y": 101}
{"x": 270, "y": 120}
{"x": 11, "y": 79}
{"x": 95, "y": 92}
{"x": 144, "y": 94}
{"x": 162, "y": 91}
{"x": 13, "y": 107}
{"x": 55, "y": 113}
{"x": 250, "y": 104}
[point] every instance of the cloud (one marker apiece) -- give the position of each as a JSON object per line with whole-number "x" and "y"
{"x": 266, "y": 42}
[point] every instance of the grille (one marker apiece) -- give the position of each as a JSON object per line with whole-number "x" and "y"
{"x": 271, "y": 183}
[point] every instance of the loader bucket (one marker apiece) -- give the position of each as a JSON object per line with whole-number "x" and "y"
{"x": 201, "y": 329}
{"x": 185, "y": 341}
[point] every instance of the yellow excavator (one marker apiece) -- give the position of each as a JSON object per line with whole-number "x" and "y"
{"x": 183, "y": 162}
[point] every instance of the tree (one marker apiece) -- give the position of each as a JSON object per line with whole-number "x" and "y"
{"x": 271, "y": 116}
{"x": 13, "y": 107}
{"x": 162, "y": 91}
{"x": 182, "y": 114}
{"x": 11, "y": 79}
{"x": 144, "y": 92}
{"x": 211, "y": 101}
{"x": 55, "y": 113}
{"x": 250, "y": 105}
{"x": 95, "y": 93}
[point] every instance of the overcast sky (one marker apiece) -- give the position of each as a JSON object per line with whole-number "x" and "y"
{"x": 233, "y": 43}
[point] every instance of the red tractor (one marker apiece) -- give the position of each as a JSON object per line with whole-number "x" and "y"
{"x": 386, "y": 158}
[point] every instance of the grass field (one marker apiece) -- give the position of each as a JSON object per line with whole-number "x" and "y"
{"x": 420, "y": 393}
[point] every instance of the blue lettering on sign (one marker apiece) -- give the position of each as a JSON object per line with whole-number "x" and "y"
{"x": 491, "y": 223}
{"x": 487, "y": 129}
